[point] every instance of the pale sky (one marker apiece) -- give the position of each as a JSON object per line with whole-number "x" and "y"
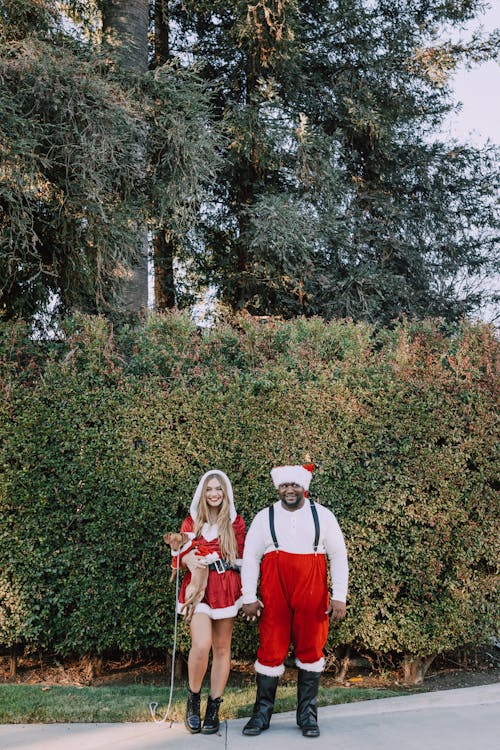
{"x": 479, "y": 91}
{"x": 478, "y": 120}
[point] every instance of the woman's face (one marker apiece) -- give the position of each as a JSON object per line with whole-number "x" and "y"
{"x": 214, "y": 493}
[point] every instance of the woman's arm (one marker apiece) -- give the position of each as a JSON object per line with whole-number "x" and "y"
{"x": 187, "y": 527}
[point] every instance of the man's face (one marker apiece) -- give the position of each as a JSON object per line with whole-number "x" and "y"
{"x": 291, "y": 495}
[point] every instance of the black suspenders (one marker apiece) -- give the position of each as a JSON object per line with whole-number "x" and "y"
{"x": 316, "y": 526}
{"x": 271, "y": 524}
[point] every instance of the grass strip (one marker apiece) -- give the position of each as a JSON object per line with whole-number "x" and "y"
{"x": 30, "y": 704}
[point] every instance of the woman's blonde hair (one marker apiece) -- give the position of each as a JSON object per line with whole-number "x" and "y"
{"x": 227, "y": 538}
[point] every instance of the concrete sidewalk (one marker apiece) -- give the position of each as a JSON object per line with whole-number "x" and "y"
{"x": 463, "y": 719}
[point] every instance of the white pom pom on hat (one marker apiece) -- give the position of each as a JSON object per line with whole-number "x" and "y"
{"x": 300, "y": 475}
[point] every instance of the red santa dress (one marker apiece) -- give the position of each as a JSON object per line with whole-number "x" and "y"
{"x": 223, "y": 592}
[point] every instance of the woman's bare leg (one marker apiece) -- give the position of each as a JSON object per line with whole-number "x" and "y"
{"x": 222, "y": 631}
{"x": 201, "y": 642}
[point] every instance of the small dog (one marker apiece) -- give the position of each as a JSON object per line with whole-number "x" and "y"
{"x": 175, "y": 540}
{"x": 195, "y": 590}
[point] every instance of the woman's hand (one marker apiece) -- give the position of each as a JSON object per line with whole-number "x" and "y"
{"x": 252, "y": 612}
{"x": 193, "y": 562}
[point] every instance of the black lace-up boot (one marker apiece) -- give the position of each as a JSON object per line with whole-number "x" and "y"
{"x": 193, "y": 720}
{"x": 307, "y": 702}
{"x": 264, "y": 705}
{"x": 211, "y": 720}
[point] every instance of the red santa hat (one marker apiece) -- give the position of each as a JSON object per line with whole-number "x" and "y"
{"x": 301, "y": 475}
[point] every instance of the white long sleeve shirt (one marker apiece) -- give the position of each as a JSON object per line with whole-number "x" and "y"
{"x": 295, "y": 534}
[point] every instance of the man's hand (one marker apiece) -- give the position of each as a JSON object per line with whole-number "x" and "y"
{"x": 336, "y": 610}
{"x": 252, "y": 612}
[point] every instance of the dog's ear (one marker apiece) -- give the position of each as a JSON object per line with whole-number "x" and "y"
{"x": 176, "y": 539}
{"x": 173, "y": 539}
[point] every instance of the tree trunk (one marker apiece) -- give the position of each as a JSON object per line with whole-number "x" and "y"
{"x": 13, "y": 662}
{"x": 163, "y": 254}
{"x": 162, "y": 47}
{"x": 344, "y": 665}
{"x": 180, "y": 670}
{"x": 91, "y": 667}
{"x": 125, "y": 25}
{"x": 245, "y": 286}
{"x": 164, "y": 244}
{"x": 415, "y": 668}
{"x": 134, "y": 293}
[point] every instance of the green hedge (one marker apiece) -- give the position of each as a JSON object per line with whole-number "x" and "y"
{"x": 104, "y": 435}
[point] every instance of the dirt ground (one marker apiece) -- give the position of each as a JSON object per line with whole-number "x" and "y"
{"x": 480, "y": 667}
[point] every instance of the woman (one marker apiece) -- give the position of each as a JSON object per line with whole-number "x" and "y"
{"x": 217, "y": 535}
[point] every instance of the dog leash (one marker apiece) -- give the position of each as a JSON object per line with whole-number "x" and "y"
{"x": 154, "y": 705}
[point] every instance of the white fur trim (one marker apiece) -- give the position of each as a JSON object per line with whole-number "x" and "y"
{"x": 297, "y": 474}
{"x": 197, "y": 495}
{"x": 269, "y": 671}
{"x": 314, "y": 666}
{"x": 215, "y": 614}
{"x": 210, "y": 531}
{"x": 184, "y": 547}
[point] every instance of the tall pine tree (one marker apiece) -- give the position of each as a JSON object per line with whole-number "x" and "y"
{"x": 89, "y": 152}
{"x": 336, "y": 196}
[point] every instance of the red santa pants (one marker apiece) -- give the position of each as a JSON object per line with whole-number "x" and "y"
{"x": 294, "y": 591}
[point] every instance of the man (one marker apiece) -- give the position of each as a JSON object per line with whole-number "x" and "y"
{"x": 286, "y": 546}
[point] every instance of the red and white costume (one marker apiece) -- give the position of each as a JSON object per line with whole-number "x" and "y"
{"x": 293, "y": 580}
{"x": 223, "y": 592}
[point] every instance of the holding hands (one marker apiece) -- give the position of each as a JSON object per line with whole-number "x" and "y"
{"x": 251, "y": 612}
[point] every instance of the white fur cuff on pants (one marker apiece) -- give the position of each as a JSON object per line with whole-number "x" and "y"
{"x": 315, "y": 666}
{"x": 269, "y": 671}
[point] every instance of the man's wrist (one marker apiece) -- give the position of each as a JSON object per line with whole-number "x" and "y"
{"x": 338, "y": 598}
{"x": 249, "y": 598}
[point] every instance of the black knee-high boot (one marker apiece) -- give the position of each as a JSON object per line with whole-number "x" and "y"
{"x": 264, "y": 705}
{"x": 307, "y": 702}
{"x": 193, "y": 720}
{"x": 211, "y": 721}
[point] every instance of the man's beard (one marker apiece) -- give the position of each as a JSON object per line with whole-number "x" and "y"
{"x": 292, "y": 503}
